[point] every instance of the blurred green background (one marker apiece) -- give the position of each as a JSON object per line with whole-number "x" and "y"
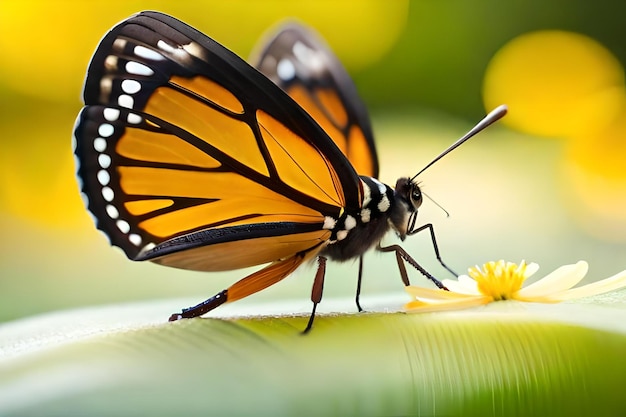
{"x": 547, "y": 185}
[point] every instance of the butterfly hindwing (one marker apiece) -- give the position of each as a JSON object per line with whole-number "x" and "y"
{"x": 303, "y": 66}
{"x": 190, "y": 156}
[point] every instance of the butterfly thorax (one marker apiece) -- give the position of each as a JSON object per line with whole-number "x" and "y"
{"x": 382, "y": 209}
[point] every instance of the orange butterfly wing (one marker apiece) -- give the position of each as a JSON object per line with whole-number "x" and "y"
{"x": 191, "y": 158}
{"x": 304, "y": 67}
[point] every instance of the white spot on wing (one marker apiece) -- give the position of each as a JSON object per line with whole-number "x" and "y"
{"x": 285, "y": 70}
{"x": 135, "y": 239}
{"x": 111, "y": 114}
{"x": 103, "y": 177}
{"x": 99, "y": 144}
{"x": 105, "y": 85}
{"x": 125, "y": 100}
{"x": 134, "y": 119}
{"x": 110, "y": 62}
{"x": 308, "y": 56}
{"x": 147, "y": 53}
{"x": 341, "y": 235}
{"x": 112, "y": 211}
{"x": 131, "y": 86}
{"x": 301, "y": 51}
{"x": 105, "y": 130}
{"x": 104, "y": 160}
{"x": 119, "y": 44}
{"x": 123, "y": 226}
{"x": 138, "y": 68}
{"x": 107, "y": 194}
{"x": 164, "y": 46}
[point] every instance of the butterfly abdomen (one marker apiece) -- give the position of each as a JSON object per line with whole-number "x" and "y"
{"x": 357, "y": 231}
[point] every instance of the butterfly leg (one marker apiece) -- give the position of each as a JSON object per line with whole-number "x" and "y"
{"x": 401, "y": 257}
{"x": 318, "y": 289}
{"x": 429, "y": 226}
{"x": 255, "y": 282}
{"x": 358, "y": 284}
{"x": 202, "y": 308}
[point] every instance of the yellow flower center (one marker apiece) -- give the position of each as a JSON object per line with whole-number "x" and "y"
{"x": 499, "y": 280}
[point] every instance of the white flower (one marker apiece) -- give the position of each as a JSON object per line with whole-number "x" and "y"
{"x": 503, "y": 281}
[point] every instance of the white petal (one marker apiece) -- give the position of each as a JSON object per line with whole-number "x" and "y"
{"x": 429, "y": 294}
{"x": 615, "y": 282}
{"x": 464, "y": 285}
{"x": 559, "y": 280}
{"x": 531, "y": 268}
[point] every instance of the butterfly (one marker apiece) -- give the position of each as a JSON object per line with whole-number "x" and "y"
{"x": 191, "y": 158}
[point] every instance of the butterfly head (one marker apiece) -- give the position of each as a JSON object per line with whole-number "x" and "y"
{"x": 408, "y": 195}
{"x": 408, "y": 199}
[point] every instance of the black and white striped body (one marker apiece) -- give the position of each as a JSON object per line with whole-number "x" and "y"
{"x": 383, "y": 209}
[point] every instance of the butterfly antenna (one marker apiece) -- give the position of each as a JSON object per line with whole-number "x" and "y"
{"x": 436, "y": 203}
{"x": 495, "y": 115}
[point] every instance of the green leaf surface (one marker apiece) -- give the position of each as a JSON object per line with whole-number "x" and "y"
{"x": 504, "y": 359}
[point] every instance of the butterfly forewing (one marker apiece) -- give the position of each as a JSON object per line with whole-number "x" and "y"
{"x": 182, "y": 146}
{"x": 303, "y": 66}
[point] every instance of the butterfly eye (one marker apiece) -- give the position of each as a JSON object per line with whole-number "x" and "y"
{"x": 416, "y": 196}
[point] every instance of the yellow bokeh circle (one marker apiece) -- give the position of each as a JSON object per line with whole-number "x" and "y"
{"x": 556, "y": 83}
{"x": 594, "y": 181}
